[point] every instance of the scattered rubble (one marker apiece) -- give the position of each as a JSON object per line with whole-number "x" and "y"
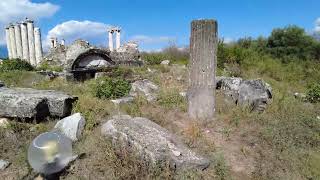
{"x": 254, "y": 93}
{"x": 32, "y": 103}
{"x": 146, "y": 88}
{"x": 165, "y": 62}
{"x": 152, "y": 142}
{"x": 123, "y": 100}
{"x": 4, "y": 164}
{"x": 4, "y": 122}
{"x": 71, "y": 126}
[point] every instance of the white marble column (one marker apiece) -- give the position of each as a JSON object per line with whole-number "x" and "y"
{"x": 110, "y": 31}
{"x": 25, "y": 43}
{"x": 38, "y": 45}
{"x": 8, "y": 43}
{"x": 55, "y": 42}
{"x": 13, "y": 42}
{"x": 17, "y": 33}
{"x": 32, "y": 54}
{"x": 118, "y": 38}
{"x": 63, "y": 42}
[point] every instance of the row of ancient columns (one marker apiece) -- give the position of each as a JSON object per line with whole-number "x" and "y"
{"x": 24, "y": 42}
{"x": 111, "y": 31}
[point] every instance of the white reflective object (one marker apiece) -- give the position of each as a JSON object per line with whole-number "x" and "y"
{"x": 50, "y": 152}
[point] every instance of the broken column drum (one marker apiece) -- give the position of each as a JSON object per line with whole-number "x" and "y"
{"x": 25, "y": 43}
{"x": 203, "y": 57}
{"x": 32, "y": 54}
{"x": 8, "y": 43}
{"x": 13, "y": 42}
{"x": 17, "y": 33}
{"x": 110, "y": 31}
{"x": 38, "y": 45}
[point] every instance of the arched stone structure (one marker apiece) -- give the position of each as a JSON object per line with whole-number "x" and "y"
{"x": 92, "y": 59}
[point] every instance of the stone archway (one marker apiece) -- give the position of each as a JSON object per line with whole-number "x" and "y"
{"x": 93, "y": 59}
{"x": 88, "y": 63}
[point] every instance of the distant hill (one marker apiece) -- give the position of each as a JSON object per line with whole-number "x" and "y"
{"x": 3, "y": 51}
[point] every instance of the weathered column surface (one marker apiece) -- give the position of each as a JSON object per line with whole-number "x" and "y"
{"x": 17, "y": 33}
{"x": 25, "y": 43}
{"x": 38, "y": 45}
{"x": 118, "y": 39}
{"x": 203, "y": 57}
{"x": 110, "y": 40}
{"x": 8, "y": 43}
{"x": 13, "y": 42}
{"x": 32, "y": 55}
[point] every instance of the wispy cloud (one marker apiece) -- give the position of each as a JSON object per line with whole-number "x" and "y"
{"x": 17, "y": 10}
{"x": 94, "y": 32}
{"x": 317, "y": 25}
{"x": 152, "y": 40}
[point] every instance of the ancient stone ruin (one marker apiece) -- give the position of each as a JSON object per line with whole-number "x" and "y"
{"x": 24, "y": 42}
{"x": 203, "y": 49}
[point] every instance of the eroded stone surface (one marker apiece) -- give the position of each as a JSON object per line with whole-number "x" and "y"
{"x": 152, "y": 142}
{"x": 3, "y": 164}
{"x": 71, "y": 126}
{"x": 32, "y": 103}
{"x": 123, "y": 100}
{"x": 165, "y": 62}
{"x": 254, "y": 93}
{"x": 146, "y": 88}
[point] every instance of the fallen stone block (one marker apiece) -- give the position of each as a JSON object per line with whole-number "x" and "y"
{"x": 123, "y": 100}
{"x": 165, "y": 62}
{"x": 146, "y": 88}
{"x": 32, "y": 103}
{"x": 152, "y": 142}
{"x": 71, "y": 126}
{"x": 4, "y": 164}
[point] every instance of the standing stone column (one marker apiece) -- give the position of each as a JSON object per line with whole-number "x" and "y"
{"x": 8, "y": 43}
{"x": 38, "y": 45}
{"x": 118, "y": 38}
{"x": 17, "y": 33}
{"x": 32, "y": 55}
{"x": 13, "y": 42}
{"x": 110, "y": 31}
{"x": 25, "y": 43}
{"x": 203, "y": 57}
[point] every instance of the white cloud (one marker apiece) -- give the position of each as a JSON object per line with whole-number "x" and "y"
{"x": 17, "y": 10}
{"x": 228, "y": 40}
{"x": 152, "y": 40}
{"x": 94, "y": 32}
{"x": 317, "y": 25}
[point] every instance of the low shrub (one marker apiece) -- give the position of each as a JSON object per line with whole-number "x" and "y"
{"x": 108, "y": 88}
{"x": 47, "y": 67}
{"x": 154, "y": 58}
{"x": 313, "y": 93}
{"x": 15, "y": 64}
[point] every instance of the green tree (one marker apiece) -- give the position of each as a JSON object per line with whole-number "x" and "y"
{"x": 291, "y": 42}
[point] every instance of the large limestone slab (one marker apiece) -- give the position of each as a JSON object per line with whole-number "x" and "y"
{"x": 32, "y": 103}
{"x": 152, "y": 142}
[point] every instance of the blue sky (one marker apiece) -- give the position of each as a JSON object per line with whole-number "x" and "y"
{"x": 157, "y": 23}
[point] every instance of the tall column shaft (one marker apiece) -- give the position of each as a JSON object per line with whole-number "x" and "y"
{"x": 13, "y": 42}
{"x": 118, "y": 39}
{"x": 110, "y": 40}
{"x": 202, "y": 69}
{"x": 17, "y": 33}
{"x": 38, "y": 45}
{"x": 8, "y": 43}
{"x": 25, "y": 43}
{"x": 32, "y": 55}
